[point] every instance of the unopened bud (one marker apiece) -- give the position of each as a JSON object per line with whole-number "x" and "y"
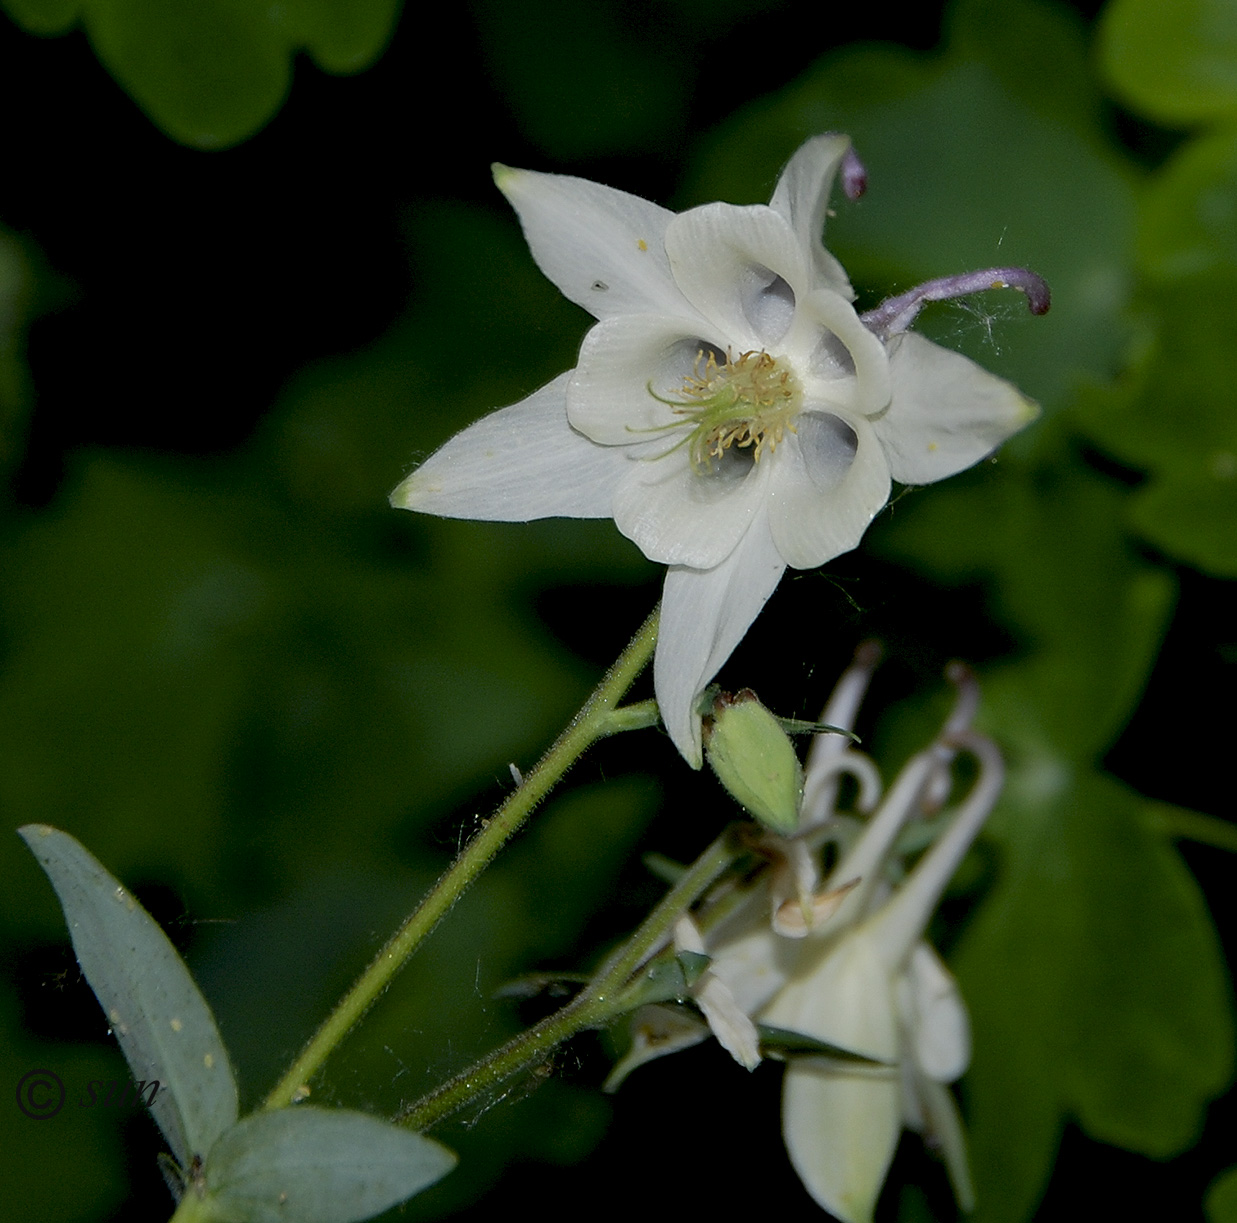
{"x": 755, "y": 760}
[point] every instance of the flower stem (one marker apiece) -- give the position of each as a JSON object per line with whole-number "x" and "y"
{"x": 600, "y": 715}
{"x": 601, "y": 1001}
{"x": 1191, "y": 826}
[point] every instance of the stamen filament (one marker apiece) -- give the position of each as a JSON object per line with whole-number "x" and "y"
{"x": 748, "y": 402}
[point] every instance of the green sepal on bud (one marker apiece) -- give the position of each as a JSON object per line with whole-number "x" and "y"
{"x": 755, "y": 760}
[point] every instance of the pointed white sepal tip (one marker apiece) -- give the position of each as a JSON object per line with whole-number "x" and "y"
{"x": 504, "y": 176}
{"x": 413, "y": 492}
{"x": 1029, "y": 411}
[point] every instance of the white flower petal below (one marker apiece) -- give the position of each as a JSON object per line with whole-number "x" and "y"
{"x": 846, "y": 999}
{"x": 748, "y": 954}
{"x": 942, "y": 1126}
{"x": 935, "y": 1016}
{"x": 946, "y": 412}
{"x": 516, "y": 464}
{"x": 603, "y": 248}
{"x": 841, "y": 1127}
{"x": 704, "y": 615}
{"x": 728, "y": 1021}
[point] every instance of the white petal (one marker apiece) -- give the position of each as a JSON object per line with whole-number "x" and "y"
{"x": 943, "y": 1127}
{"x": 900, "y": 923}
{"x": 831, "y": 481}
{"x": 865, "y": 859}
{"x": 732, "y": 1026}
{"x": 604, "y": 249}
{"x": 742, "y": 268}
{"x": 802, "y": 197}
{"x": 704, "y": 614}
{"x": 679, "y": 516}
{"x": 946, "y": 413}
{"x": 935, "y": 1015}
{"x": 735, "y": 1031}
{"x": 841, "y": 1128}
{"x": 516, "y": 464}
{"x": 847, "y": 1000}
{"x": 624, "y": 364}
{"x": 755, "y": 965}
{"x": 847, "y": 364}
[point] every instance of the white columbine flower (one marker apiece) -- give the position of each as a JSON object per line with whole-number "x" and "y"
{"x": 730, "y": 410}
{"x": 843, "y": 962}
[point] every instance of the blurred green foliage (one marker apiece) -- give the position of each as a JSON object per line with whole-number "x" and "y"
{"x": 243, "y": 678}
{"x": 211, "y": 73}
{"x": 1222, "y": 1198}
{"x": 1175, "y": 60}
{"x": 16, "y": 293}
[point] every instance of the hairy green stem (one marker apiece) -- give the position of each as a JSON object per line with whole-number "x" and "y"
{"x": 604, "y": 999}
{"x": 600, "y": 715}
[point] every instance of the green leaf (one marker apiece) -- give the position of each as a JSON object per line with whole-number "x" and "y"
{"x": 1050, "y": 538}
{"x": 312, "y": 1165}
{"x": 1173, "y": 411}
{"x": 1173, "y": 417}
{"x": 210, "y": 74}
{"x": 1188, "y": 225}
{"x": 213, "y": 72}
{"x": 44, "y": 17}
{"x": 1175, "y": 60}
{"x": 155, "y": 1010}
{"x": 1221, "y": 1200}
{"x": 1096, "y": 984}
{"x": 1193, "y": 518}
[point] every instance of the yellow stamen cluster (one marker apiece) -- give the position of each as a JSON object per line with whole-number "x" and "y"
{"x": 749, "y": 401}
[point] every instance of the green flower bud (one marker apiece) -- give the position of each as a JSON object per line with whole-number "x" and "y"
{"x": 755, "y": 760}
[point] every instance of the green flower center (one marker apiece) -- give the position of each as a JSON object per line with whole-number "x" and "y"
{"x": 747, "y": 403}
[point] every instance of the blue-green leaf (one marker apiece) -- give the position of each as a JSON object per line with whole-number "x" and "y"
{"x": 155, "y": 1010}
{"x": 313, "y": 1165}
